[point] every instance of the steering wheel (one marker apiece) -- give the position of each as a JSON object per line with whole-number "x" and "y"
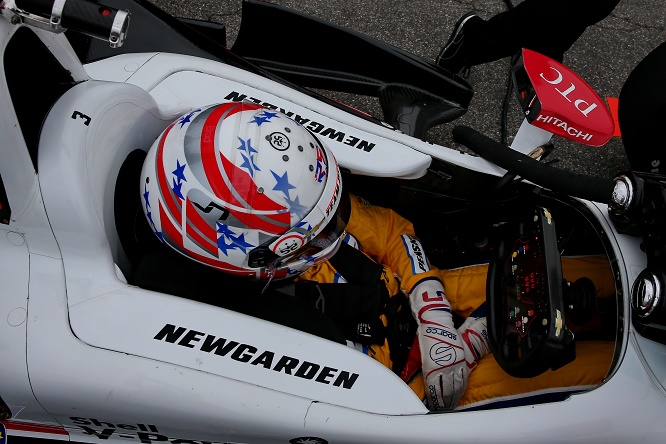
{"x": 525, "y": 294}
{"x": 525, "y": 298}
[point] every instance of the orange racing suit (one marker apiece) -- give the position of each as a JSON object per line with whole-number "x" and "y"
{"x": 390, "y": 240}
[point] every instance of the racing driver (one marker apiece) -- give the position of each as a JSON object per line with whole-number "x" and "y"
{"x": 250, "y": 192}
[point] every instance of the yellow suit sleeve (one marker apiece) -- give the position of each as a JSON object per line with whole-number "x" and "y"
{"x": 390, "y": 240}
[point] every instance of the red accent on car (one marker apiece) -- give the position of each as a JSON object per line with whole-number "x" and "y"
{"x": 36, "y": 428}
{"x": 569, "y": 107}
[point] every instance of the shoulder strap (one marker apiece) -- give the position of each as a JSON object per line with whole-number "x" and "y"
{"x": 356, "y": 267}
{"x": 355, "y": 308}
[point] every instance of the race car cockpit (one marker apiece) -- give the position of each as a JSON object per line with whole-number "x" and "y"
{"x": 105, "y": 129}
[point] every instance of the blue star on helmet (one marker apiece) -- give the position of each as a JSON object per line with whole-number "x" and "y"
{"x": 229, "y": 241}
{"x": 240, "y": 243}
{"x": 248, "y": 156}
{"x": 149, "y": 214}
{"x": 159, "y": 235}
{"x": 303, "y": 224}
{"x": 187, "y": 118}
{"x": 179, "y": 172}
{"x": 145, "y": 196}
{"x": 226, "y": 233}
{"x": 296, "y": 208}
{"x": 224, "y": 229}
{"x": 265, "y": 116}
{"x": 177, "y": 189}
{"x": 282, "y": 184}
{"x": 223, "y": 246}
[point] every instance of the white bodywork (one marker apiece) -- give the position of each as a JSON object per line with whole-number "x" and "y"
{"x": 87, "y": 357}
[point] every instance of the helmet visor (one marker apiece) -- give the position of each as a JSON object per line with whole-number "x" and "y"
{"x": 333, "y": 231}
{"x": 312, "y": 250}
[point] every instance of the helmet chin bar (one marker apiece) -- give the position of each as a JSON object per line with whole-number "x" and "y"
{"x": 295, "y": 238}
{"x": 328, "y": 240}
{"x": 98, "y": 21}
{"x": 294, "y": 244}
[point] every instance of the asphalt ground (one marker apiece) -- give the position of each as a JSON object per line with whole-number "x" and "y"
{"x": 604, "y": 56}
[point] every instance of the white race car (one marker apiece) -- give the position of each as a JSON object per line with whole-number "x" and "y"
{"x": 89, "y": 354}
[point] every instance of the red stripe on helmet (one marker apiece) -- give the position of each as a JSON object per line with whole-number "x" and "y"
{"x": 170, "y": 232}
{"x": 275, "y": 223}
{"x": 173, "y": 235}
{"x": 240, "y": 179}
{"x": 163, "y": 183}
{"x": 197, "y": 226}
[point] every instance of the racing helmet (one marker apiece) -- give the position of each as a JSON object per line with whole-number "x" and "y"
{"x": 246, "y": 190}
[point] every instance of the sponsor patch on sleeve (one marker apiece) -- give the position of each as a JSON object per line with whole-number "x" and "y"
{"x": 416, "y": 254}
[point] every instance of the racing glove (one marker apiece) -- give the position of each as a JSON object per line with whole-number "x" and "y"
{"x": 474, "y": 335}
{"x": 443, "y": 357}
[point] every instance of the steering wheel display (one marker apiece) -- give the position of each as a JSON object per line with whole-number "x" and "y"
{"x": 525, "y": 298}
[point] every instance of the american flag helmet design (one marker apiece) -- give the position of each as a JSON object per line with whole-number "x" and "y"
{"x": 244, "y": 189}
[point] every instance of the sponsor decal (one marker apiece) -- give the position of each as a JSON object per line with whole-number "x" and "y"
{"x": 555, "y": 77}
{"x": 465, "y": 336}
{"x": 441, "y": 332}
{"x": 279, "y": 141}
{"x": 444, "y": 355}
{"x": 567, "y": 105}
{"x": 336, "y": 195}
{"x": 289, "y": 244}
{"x": 437, "y": 297}
{"x": 416, "y": 254}
{"x": 564, "y": 127}
{"x": 322, "y": 169}
{"x": 434, "y": 400}
{"x": 315, "y": 127}
{"x": 3, "y": 434}
{"x": 559, "y": 323}
{"x": 251, "y": 355}
{"x": 145, "y": 433}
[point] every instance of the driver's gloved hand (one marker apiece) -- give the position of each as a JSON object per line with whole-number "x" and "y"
{"x": 443, "y": 353}
{"x": 474, "y": 335}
